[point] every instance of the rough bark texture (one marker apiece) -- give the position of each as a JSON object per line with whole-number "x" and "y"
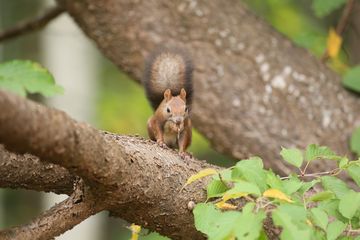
{"x": 28, "y": 172}
{"x": 138, "y": 181}
{"x": 58, "y": 219}
{"x": 263, "y": 91}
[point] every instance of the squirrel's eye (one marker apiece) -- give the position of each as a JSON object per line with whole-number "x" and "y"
{"x": 168, "y": 110}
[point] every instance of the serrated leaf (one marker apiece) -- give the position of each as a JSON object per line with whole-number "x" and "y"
{"x": 354, "y": 172}
{"x": 351, "y": 81}
{"x": 319, "y": 217}
{"x": 224, "y": 205}
{"x": 292, "y": 184}
{"x": 274, "y": 193}
{"x": 20, "y": 76}
{"x": 322, "y": 196}
{"x": 224, "y": 225}
{"x": 273, "y": 181}
{"x": 201, "y": 174}
{"x": 216, "y": 188}
{"x": 349, "y": 204}
{"x": 292, "y": 219}
{"x": 324, "y": 7}
{"x": 335, "y": 185}
{"x": 333, "y": 43}
{"x": 308, "y": 185}
{"x": 293, "y": 156}
{"x": 355, "y": 137}
{"x": 334, "y": 229}
{"x": 314, "y": 151}
{"x": 252, "y": 171}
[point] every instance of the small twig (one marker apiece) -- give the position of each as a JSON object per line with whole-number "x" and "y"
{"x": 31, "y": 25}
{"x": 332, "y": 172}
{"x": 344, "y": 19}
{"x": 303, "y": 172}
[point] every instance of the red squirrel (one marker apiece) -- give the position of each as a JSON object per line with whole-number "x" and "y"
{"x": 169, "y": 88}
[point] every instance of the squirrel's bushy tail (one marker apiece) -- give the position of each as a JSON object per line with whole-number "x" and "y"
{"x": 168, "y": 69}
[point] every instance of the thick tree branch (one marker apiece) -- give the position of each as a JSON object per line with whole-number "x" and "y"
{"x": 139, "y": 181}
{"x": 264, "y": 92}
{"x": 58, "y": 219}
{"x": 28, "y": 172}
{"x": 31, "y": 25}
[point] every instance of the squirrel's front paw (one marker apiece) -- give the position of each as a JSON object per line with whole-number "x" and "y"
{"x": 161, "y": 144}
{"x": 185, "y": 155}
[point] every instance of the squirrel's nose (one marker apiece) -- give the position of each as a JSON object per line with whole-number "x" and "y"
{"x": 178, "y": 121}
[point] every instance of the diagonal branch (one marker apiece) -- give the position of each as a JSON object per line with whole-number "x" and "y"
{"x": 134, "y": 178}
{"x": 28, "y": 172}
{"x": 58, "y": 219}
{"x": 31, "y": 25}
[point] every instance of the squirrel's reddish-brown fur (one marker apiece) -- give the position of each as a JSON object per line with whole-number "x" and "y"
{"x": 168, "y": 86}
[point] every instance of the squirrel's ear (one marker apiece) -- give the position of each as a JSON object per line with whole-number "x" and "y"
{"x": 167, "y": 94}
{"x": 183, "y": 94}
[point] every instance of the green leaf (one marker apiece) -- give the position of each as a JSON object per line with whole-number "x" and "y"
{"x": 244, "y": 187}
{"x": 20, "y": 76}
{"x": 335, "y": 185}
{"x": 153, "y": 236}
{"x": 354, "y": 172}
{"x": 324, "y": 7}
{"x": 216, "y": 188}
{"x": 314, "y": 151}
{"x": 292, "y": 219}
{"x": 307, "y": 185}
{"x": 250, "y": 170}
{"x": 293, "y": 156}
{"x": 334, "y": 229}
{"x": 319, "y": 217}
{"x": 352, "y": 79}
{"x": 274, "y": 181}
{"x": 322, "y": 196}
{"x": 219, "y": 225}
{"x": 249, "y": 225}
{"x": 292, "y": 185}
{"x": 349, "y": 204}
{"x": 355, "y": 141}
{"x": 331, "y": 207}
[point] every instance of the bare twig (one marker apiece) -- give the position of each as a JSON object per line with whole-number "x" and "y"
{"x": 31, "y": 25}
{"x": 344, "y": 19}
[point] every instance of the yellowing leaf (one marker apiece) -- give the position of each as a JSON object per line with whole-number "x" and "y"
{"x": 333, "y": 43}
{"x": 274, "y": 193}
{"x": 228, "y": 196}
{"x": 201, "y": 174}
{"x": 135, "y": 230}
{"x": 224, "y": 205}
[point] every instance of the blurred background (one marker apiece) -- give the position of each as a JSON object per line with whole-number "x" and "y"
{"x": 98, "y": 93}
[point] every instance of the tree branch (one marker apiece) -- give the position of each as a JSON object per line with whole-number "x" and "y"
{"x": 138, "y": 181}
{"x": 28, "y": 172}
{"x": 31, "y": 25}
{"x": 58, "y": 219}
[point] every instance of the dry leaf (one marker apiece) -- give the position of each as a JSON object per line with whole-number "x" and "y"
{"x": 274, "y": 193}
{"x": 333, "y": 43}
{"x": 226, "y": 206}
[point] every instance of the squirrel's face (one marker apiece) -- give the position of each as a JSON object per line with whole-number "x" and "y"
{"x": 175, "y": 108}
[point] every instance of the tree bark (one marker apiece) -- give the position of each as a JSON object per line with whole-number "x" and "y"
{"x": 131, "y": 177}
{"x": 264, "y": 92}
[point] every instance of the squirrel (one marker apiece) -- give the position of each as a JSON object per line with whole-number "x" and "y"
{"x": 169, "y": 89}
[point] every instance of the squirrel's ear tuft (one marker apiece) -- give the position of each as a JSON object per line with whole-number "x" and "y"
{"x": 167, "y": 94}
{"x": 183, "y": 94}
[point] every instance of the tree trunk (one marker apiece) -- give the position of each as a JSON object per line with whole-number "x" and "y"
{"x": 254, "y": 90}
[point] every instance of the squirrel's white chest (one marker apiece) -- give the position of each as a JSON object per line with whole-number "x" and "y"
{"x": 170, "y": 138}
